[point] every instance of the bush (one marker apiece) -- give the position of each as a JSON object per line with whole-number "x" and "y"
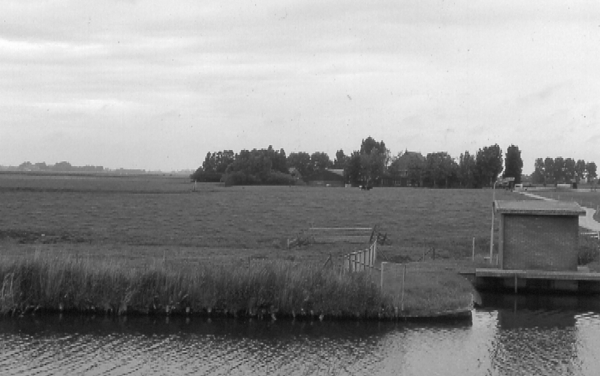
{"x": 206, "y": 177}
{"x": 242, "y": 178}
{"x": 588, "y": 250}
{"x": 280, "y": 178}
{"x": 235, "y": 178}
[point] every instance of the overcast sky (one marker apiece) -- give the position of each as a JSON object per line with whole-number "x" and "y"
{"x": 158, "y": 84}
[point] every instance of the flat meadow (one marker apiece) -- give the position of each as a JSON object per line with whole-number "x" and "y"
{"x": 161, "y": 216}
{"x": 157, "y": 243}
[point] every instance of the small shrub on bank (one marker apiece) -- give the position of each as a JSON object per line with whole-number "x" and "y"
{"x": 588, "y": 250}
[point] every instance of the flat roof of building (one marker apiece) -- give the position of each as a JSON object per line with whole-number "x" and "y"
{"x": 538, "y": 207}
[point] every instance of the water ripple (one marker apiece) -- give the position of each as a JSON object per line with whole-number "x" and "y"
{"x": 496, "y": 342}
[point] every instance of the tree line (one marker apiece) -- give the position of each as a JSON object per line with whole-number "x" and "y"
{"x": 370, "y": 165}
{"x": 63, "y": 166}
{"x": 560, "y": 170}
{"x": 264, "y": 166}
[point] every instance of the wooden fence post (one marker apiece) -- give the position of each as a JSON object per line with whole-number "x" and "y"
{"x": 374, "y": 253}
{"x": 347, "y": 264}
{"x": 363, "y": 257}
{"x": 360, "y": 264}
{"x": 382, "y": 267}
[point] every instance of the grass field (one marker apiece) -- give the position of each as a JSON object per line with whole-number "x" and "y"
{"x": 134, "y": 217}
{"x": 136, "y": 223}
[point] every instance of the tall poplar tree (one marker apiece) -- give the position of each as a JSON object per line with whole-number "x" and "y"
{"x": 513, "y": 164}
{"x": 488, "y": 164}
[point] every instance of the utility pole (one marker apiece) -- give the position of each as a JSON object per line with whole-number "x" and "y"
{"x": 492, "y": 230}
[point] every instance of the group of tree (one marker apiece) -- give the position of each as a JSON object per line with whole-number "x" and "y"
{"x": 257, "y": 166}
{"x": 371, "y": 165}
{"x": 560, "y": 170}
{"x": 366, "y": 166}
{"x": 268, "y": 166}
{"x": 440, "y": 170}
{"x": 57, "y": 167}
{"x": 308, "y": 164}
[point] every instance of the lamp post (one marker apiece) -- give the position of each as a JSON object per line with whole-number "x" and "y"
{"x": 508, "y": 179}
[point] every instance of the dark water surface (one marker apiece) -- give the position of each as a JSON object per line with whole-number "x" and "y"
{"x": 510, "y": 336}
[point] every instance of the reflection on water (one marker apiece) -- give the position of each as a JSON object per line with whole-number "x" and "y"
{"x": 542, "y": 335}
{"x": 511, "y": 336}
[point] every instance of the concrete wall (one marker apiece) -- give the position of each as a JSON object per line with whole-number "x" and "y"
{"x": 539, "y": 242}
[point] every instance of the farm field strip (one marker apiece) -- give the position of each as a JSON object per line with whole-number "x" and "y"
{"x": 251, "y": 218}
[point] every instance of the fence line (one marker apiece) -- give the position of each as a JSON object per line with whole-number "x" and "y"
{"x": 360, "y": 260}
{"x": 328, "y": 235}
{"x": 591, "y": 234}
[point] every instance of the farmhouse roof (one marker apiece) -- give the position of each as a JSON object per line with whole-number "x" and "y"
{"x": 414, "y": 154}
{"x": 409, "y": 156}
{"x": 538, "y": 207}
{"x": 337, "y": 171}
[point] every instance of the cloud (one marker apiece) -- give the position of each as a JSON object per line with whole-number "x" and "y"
{"x": 191, "y": 75}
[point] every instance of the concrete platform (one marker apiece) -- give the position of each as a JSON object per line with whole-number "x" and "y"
{"x": 571, "y": 282}
{"x": 538, "y": 274}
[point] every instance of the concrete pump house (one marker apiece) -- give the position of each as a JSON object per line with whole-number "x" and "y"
{"x": 538, "y": 235}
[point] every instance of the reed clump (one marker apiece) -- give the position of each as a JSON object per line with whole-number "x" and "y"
{"x": 269, "y": 289}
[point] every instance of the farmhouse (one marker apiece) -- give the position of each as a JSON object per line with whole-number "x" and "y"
{"x": 332, "y": 177}
{"x": 538, "y": 235}
{"x": 409, "y": 167}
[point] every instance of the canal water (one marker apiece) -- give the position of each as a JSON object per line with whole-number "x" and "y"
{"x": 509, "y": 335}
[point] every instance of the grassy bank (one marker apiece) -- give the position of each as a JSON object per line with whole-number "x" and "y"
{"x": 430, "y": 288}
{"x": 268, "y": 289}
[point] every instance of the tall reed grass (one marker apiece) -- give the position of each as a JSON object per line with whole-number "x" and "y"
{"x": 259, "y": 288}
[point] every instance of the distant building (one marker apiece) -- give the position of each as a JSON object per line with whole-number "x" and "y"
{"x": 330, "y": 177}
{"x": 408, "y": 171}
